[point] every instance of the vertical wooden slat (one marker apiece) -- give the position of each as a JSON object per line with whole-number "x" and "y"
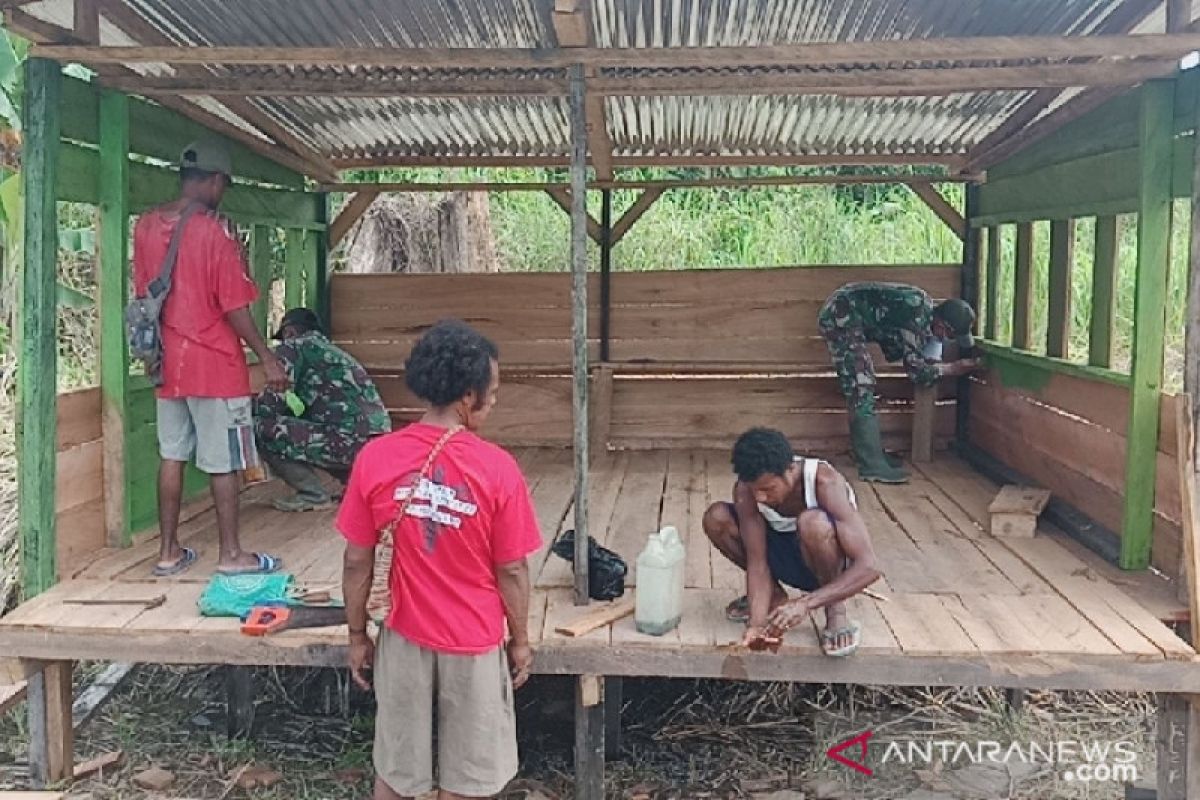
{"x": 260, "y": 270}
{"x": 114, "y": 293}
{"x": 1149, "y": 320}
{"x": 320, "y": 301}
{"x": 1058, "y": 317}
{"x": 1185, "y": 457}
{"x": 36, "y": 423}
{"x": 312, "y": 280}
{"x": 606, "y": 246}
{"x": 1023, "y": 281}
{"x": 293, "y": 288}
{"x": 991, "y": 325}
{"x": 589, "y": 737}
{"x": 969, "y": 284}
{"x": 579, "y": 309}
{"x": 1104, "y": 293}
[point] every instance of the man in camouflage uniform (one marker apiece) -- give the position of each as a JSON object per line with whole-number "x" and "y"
{"x": 334, "y": 410}
{"x": 909, "y": 328}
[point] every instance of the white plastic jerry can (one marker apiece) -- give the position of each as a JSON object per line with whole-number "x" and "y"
{"x": 659, "y": 597}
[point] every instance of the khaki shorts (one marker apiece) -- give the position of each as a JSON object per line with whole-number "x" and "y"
{"x": 217, "y": 432}
{"x": 476, "y": 723}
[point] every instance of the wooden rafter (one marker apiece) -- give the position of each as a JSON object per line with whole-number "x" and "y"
{"x": 1122, "y": 21}
{"x": 938, "y": 205}
{"x": 137, "y": 28}
{"x": 884, "y": 82}
{"x": 969, "y": 49}
{"x": 351, "y": 213}
{"x": 950, "y": 161}
{"x": 38, "y": 30}
{"x": 703, "y": 183}
{"x": 87, "y": 21}
{"x": 572, "y": 30}
{"x": 562, "y": 196}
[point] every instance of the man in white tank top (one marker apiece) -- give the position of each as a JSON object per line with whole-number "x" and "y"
{"x": 792, "y": 521}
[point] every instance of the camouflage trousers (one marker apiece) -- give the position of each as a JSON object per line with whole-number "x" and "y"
{"x": 855, "y": 372}
{"x": 296, "y": 439}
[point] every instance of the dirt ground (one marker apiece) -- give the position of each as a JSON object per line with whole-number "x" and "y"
{"x": 682, "y": 739}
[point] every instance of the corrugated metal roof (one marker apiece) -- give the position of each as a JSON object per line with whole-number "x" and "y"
{"x": 357, "y": 128}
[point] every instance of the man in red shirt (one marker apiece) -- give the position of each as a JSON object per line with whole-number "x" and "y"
{"x": 463, "y": 525}
{"x": 204, "y": 400}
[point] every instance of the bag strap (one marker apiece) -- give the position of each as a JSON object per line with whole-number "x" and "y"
{"x": 390, "y": 529}
{"x": 162, "y": 284}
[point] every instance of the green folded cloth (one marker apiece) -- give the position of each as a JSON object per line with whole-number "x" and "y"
{"x": 294, "y": 403}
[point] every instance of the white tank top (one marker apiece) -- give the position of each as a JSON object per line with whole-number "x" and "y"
{"x": 776, "y": 521}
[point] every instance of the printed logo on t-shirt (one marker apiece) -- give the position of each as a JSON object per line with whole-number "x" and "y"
{"x": 436, "y": 505}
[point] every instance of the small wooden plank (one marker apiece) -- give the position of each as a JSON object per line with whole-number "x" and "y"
{"x": 990, "y": 325}
{"x": 1104, "y": 292}
{"x": 923, "y": 626}
{"x": 596, "y": 616}
{"x": 1062, "y": 258}
{"x": 561, "y": 610}
{"x": 1020, "y": 500}
{"x": 1024, "y": 286}
{"x": 18, "y": 795}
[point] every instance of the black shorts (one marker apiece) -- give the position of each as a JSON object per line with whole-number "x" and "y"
{"x": 784, "y": 557}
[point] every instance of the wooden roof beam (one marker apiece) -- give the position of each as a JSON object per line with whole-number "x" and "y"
{"x": 640, "y": 206}
{"x": 963, "y": 49}
{"x": 573, "y": 29}
{"x": 562, "y": 196}
{"x": 888, "y": 82}
{"x": 317, "y": 166}
{"x": 351, "y": 213}
{"x": 703, "y": 183}
{"x": 87, "y": 21}
{"x": 953, "y": 162}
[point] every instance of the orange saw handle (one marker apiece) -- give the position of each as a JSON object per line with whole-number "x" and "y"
{"x": 266, "y": 619}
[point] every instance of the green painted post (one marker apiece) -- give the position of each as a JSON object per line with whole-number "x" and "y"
{"x": 1104, "y": 292}
{"x": 1149, "y": 321}
{"x": 1023, "y": 277}
{"x": 993, "y": 283}
{"x": 293, "y": 290}
{"x": 114, "y": 293}
{"x": 312, "y": 277}
{"x": 1058, "y": 316}
{"x": 260, "y": 270}
{"x": 37, "y": 427}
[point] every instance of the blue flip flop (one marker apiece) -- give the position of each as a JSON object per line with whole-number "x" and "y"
{"x": 266, "y": 565}
{"x": 186, "y": 560}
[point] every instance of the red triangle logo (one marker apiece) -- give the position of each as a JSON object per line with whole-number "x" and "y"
{"x": 860, "y": 764}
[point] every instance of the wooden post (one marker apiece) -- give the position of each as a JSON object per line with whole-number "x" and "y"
{"x": 1023, "y": 279}
{"x": 1149, "y": 321}
{"x": 601, "y": 404}
{"x": 261, "y": 269}
{"x": 1104, "y": 292}
{"x": 606, "y": 245}
{"x": 293, "y": 287}
{"x": 37, "y": 382}
{"x": 614, "y": 698}
{"x": 1176, "y": 739}
{"x": 991, "y": 325}
{"x": 239, "y": 700}
{"x": 924, "y": 406}
{"x": 321, "y": 264}
{"x": 1185, "y": 441}
{"x": 1058, "y": 315}
{"x": 114, "y": 293}
{"x": 579, "y": 332}
{"x": 970, "y": 292}
{"x": 589, "y": 737}
{"x": 314, "y": 283}
{"x": 51, "y": 728}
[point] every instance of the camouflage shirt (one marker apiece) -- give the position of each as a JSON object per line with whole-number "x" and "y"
{"x": 896, "y": 316}
{"x": 334, "y": 387}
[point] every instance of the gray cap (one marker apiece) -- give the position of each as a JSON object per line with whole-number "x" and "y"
{"x": 961, "y": 317}
{"x": 208, "y": 156}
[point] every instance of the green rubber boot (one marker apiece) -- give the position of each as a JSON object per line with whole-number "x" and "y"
{"x": 310, "y": 494}
{"x": 867, "y": 445}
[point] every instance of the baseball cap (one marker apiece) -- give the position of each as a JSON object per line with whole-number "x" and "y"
{"x": 302, "y": 318}
{"x": 208, "y": 156}
{"x": 959, "y": 315}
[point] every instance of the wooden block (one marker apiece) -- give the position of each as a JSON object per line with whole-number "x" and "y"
{"x": 597, "y": 617}
{"x": 591, "y": 688}
{"x": 1015, "y": 510}
{"x": 924, "y": 406}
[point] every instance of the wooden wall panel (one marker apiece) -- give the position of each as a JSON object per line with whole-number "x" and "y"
{"x": 79, "y": 483}
{"x": 1079, "y": 459}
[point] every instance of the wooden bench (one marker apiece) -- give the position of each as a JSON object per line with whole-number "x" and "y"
{"x": 695, "y": 357}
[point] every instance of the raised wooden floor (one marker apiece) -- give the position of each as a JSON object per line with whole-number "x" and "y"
{"x": 960, "y": 606}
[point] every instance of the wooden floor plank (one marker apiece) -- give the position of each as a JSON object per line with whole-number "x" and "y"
{"x": 903, "y": 565}
{"x": 979, "y": 629}
{"x": 1011, "y": 635}
{"x": 638, "y": 508}
{"x": 179, "y": 613}
{"x": 701, "y": 552}
{"x": 725, "y": 574}
{"x": 696, "y": 626}
{"x": 923, "y": 626}
{"x": 604, "y": 488}
{"x": 877, "y": 636}
{"x": 553, "y": 497}
{"x": 1071, "y": 627}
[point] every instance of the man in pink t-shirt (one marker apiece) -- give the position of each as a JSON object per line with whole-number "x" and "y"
{"x": 464, "y": 525}
{"x": 204, "y": 400}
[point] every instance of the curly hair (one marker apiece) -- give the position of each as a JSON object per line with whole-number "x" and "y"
{"x": 448, "y": 361}
{"x": 759, "y": 451}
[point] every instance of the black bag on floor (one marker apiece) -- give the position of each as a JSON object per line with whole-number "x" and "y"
{"x": 606, "y": 569}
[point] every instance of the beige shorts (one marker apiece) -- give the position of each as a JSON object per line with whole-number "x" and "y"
{"x": 217, "y": 432}
{"x": 476, "y": 723}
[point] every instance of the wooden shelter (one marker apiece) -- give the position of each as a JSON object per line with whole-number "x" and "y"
{"x": 623, "y": 390}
